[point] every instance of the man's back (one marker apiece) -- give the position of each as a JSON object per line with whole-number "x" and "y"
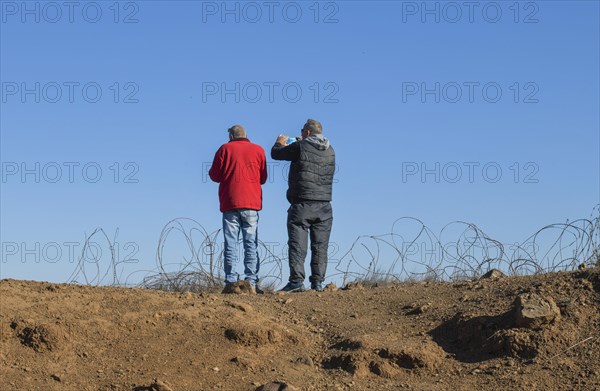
{"x": 240, "y": 169}
{"x": 311, "y": 175}
{"x": 312, "y": 168}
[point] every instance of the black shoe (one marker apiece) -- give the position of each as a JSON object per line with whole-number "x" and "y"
{"x": 316, "y": 286}
{"x": 293, "y": 287}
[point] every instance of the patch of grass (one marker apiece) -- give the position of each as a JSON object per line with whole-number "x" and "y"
{"x": 380, "y": 278}
{"x": 376, "y": 280}
{"x": 184, "y": 282}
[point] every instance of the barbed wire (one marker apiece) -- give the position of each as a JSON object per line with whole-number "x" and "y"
{"x": 411, "y": 251}
{"x": 92, "y": 255}
{"x": 424, "y": 255}
{"x": 202, "y": 266}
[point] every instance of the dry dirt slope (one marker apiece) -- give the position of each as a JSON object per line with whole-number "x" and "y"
{"x": 425, "y": 336}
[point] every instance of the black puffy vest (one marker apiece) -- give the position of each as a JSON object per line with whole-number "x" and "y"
{"x": 311, "y": 176}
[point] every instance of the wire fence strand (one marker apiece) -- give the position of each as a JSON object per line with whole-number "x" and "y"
{"x": 411, "y": 251}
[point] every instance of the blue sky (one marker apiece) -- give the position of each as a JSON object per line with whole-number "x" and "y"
{"x": 399, "y": 88}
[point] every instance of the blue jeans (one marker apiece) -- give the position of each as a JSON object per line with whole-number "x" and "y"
{"x": 246, "y": 221}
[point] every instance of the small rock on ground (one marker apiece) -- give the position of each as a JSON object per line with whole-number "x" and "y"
{"x": 493, "y": 274}
{"x": 276, "y": 386}
{"x": 159, "y": 385}
{"x": 532, "y": 311}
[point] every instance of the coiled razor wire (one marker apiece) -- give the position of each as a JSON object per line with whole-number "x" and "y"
{"x": 468, "y": 253}
{"x": 410, "y": 252}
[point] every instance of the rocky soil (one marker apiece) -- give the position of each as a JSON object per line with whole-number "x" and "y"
{"x": 499, "y": 333}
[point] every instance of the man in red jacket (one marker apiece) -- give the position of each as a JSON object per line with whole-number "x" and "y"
{"x": 240, "y": 168}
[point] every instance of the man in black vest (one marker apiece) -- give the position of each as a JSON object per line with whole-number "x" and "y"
{"x": 309, "y": 193}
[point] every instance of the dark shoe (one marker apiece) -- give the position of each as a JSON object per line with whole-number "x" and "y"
{"x": 230, "y": 287}
{"x": 316, "y": 286}
{"x": 293, "y": 287}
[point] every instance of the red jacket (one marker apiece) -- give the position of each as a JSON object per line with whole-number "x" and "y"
{"x": 240, "y": 168}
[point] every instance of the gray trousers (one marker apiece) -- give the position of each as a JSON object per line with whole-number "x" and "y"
{"x": 303, "y": 218}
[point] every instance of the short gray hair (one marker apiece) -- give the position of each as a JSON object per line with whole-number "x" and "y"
{"x": 313, "y": 126}
{"x": 237, "y": 131}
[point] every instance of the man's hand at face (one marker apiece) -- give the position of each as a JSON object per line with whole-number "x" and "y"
{"x": 282, "y": 140}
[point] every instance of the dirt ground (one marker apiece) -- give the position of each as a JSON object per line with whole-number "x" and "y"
{"x": 474, "y": 335}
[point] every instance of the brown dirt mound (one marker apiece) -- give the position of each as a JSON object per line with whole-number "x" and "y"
{"x": 257, "y": 334}
{"x": 239, "y": 288}
{"x": 359, "y": 357}
{"x": 500, "y": 334}
{"x": 424, "y": 355}
{"x": 39, "y": 337}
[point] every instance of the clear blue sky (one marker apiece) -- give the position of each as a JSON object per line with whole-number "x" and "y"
{"x": 361, "y": 68}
